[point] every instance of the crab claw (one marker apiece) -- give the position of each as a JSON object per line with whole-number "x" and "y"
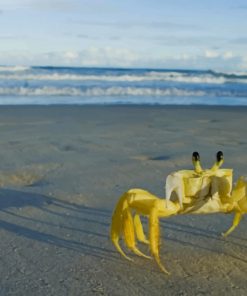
{"x": 174, "y": 182}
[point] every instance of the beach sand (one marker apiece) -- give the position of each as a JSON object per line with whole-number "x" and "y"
{"x": 62, "y": 172}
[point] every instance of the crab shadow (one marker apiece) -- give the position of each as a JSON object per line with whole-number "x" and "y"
{"x": 208, "y": 240}
{"x": 85, "y": 230}
{"x": 56, "y": 222}
{"x": 198, "y": 237}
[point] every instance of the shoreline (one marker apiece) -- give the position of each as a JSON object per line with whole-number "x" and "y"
{"x": 125, "y": 105}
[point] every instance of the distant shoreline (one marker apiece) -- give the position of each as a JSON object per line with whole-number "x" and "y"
{"x": 151, "y": 106}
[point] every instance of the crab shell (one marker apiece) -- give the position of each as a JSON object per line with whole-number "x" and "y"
{"x": 187, "y": 185}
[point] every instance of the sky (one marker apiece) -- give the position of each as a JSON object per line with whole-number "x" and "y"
{"x": 175, "y": 34}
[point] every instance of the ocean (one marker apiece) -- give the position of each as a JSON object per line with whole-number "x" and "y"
{"x": 70, "y": 85}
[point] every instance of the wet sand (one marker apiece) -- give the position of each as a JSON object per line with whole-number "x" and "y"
{"x": 62, "y": 172}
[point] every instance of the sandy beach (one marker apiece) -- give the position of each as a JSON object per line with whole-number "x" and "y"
{"x": 62, "y": 172}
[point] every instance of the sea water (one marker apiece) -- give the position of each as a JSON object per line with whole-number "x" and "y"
{"x": 70, "y": 85}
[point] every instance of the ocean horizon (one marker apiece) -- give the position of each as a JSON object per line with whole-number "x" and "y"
{"x": 48, "y": 85}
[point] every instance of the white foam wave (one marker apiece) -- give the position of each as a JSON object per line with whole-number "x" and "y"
{"x": 13, "y": 68}
{"x": 148, "y": 76}
{"x": 185, "y": 78}
{"x": 97, "y": 91}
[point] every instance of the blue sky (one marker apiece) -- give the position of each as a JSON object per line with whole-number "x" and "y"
{"x": 132, "y": 33}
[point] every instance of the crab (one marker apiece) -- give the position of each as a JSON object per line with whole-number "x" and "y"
{"x": 195, "y": 191}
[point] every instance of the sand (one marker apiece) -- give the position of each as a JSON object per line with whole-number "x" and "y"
{"x": 62, "y": 172}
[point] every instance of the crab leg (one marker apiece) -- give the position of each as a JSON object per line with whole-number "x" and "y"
{"x": 129, "y": 233}
{"x": 139, "y": 230}
{"x": 240, "y": 201}
{"x": 236, "y": 220}
{"x": 154, "y": 235}
{"x": 116, "y": 226}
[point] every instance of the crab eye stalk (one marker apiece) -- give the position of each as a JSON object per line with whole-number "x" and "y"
{"x": 219, "y": 156}
{"x": 195, "y": 156}
{"x": 196, "y": 162}
{"x": 219, "y": 161}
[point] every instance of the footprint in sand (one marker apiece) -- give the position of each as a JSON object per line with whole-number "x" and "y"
{"x": 27, "y": 176}
{"x": 152, "y": 158}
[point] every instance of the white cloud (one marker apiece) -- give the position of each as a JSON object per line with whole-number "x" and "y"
{"x": 124, "y": 57}
{"x": 183, "y": 57}
{"x": 228, "y": 55}
{"x": 70, "y": 55}
{"x": 109, "y": 56}
{"x": 95, "y": 56}
{"x": 92, "y": 56}
{"x": 211, "y": 54}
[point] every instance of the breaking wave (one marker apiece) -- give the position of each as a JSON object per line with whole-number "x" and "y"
{"x": 68, "y": 85}
{"x": 97, "y": 91}
{"x": 111, "y": 91}
{"x": 207, "y": 78}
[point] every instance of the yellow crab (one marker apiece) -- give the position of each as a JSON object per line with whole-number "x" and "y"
{"x": 195, "y": 191}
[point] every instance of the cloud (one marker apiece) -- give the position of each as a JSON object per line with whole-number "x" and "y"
{"x": 91, "y": 56}
{"x": 182, "y": 40}
{"x": 52, "y": 5}
{"x": 211, "y": 54}
{"x": 124, "y": 57}
{"x": 108, "y": 56}
{"x": 71, "y": 55}
{"x": 228, "y": 55}
{"x": 214, "y": 54}
{"x": 147, "y": 24}
{"x": 91, "y": 37}
{"x": 161, "y": 39}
